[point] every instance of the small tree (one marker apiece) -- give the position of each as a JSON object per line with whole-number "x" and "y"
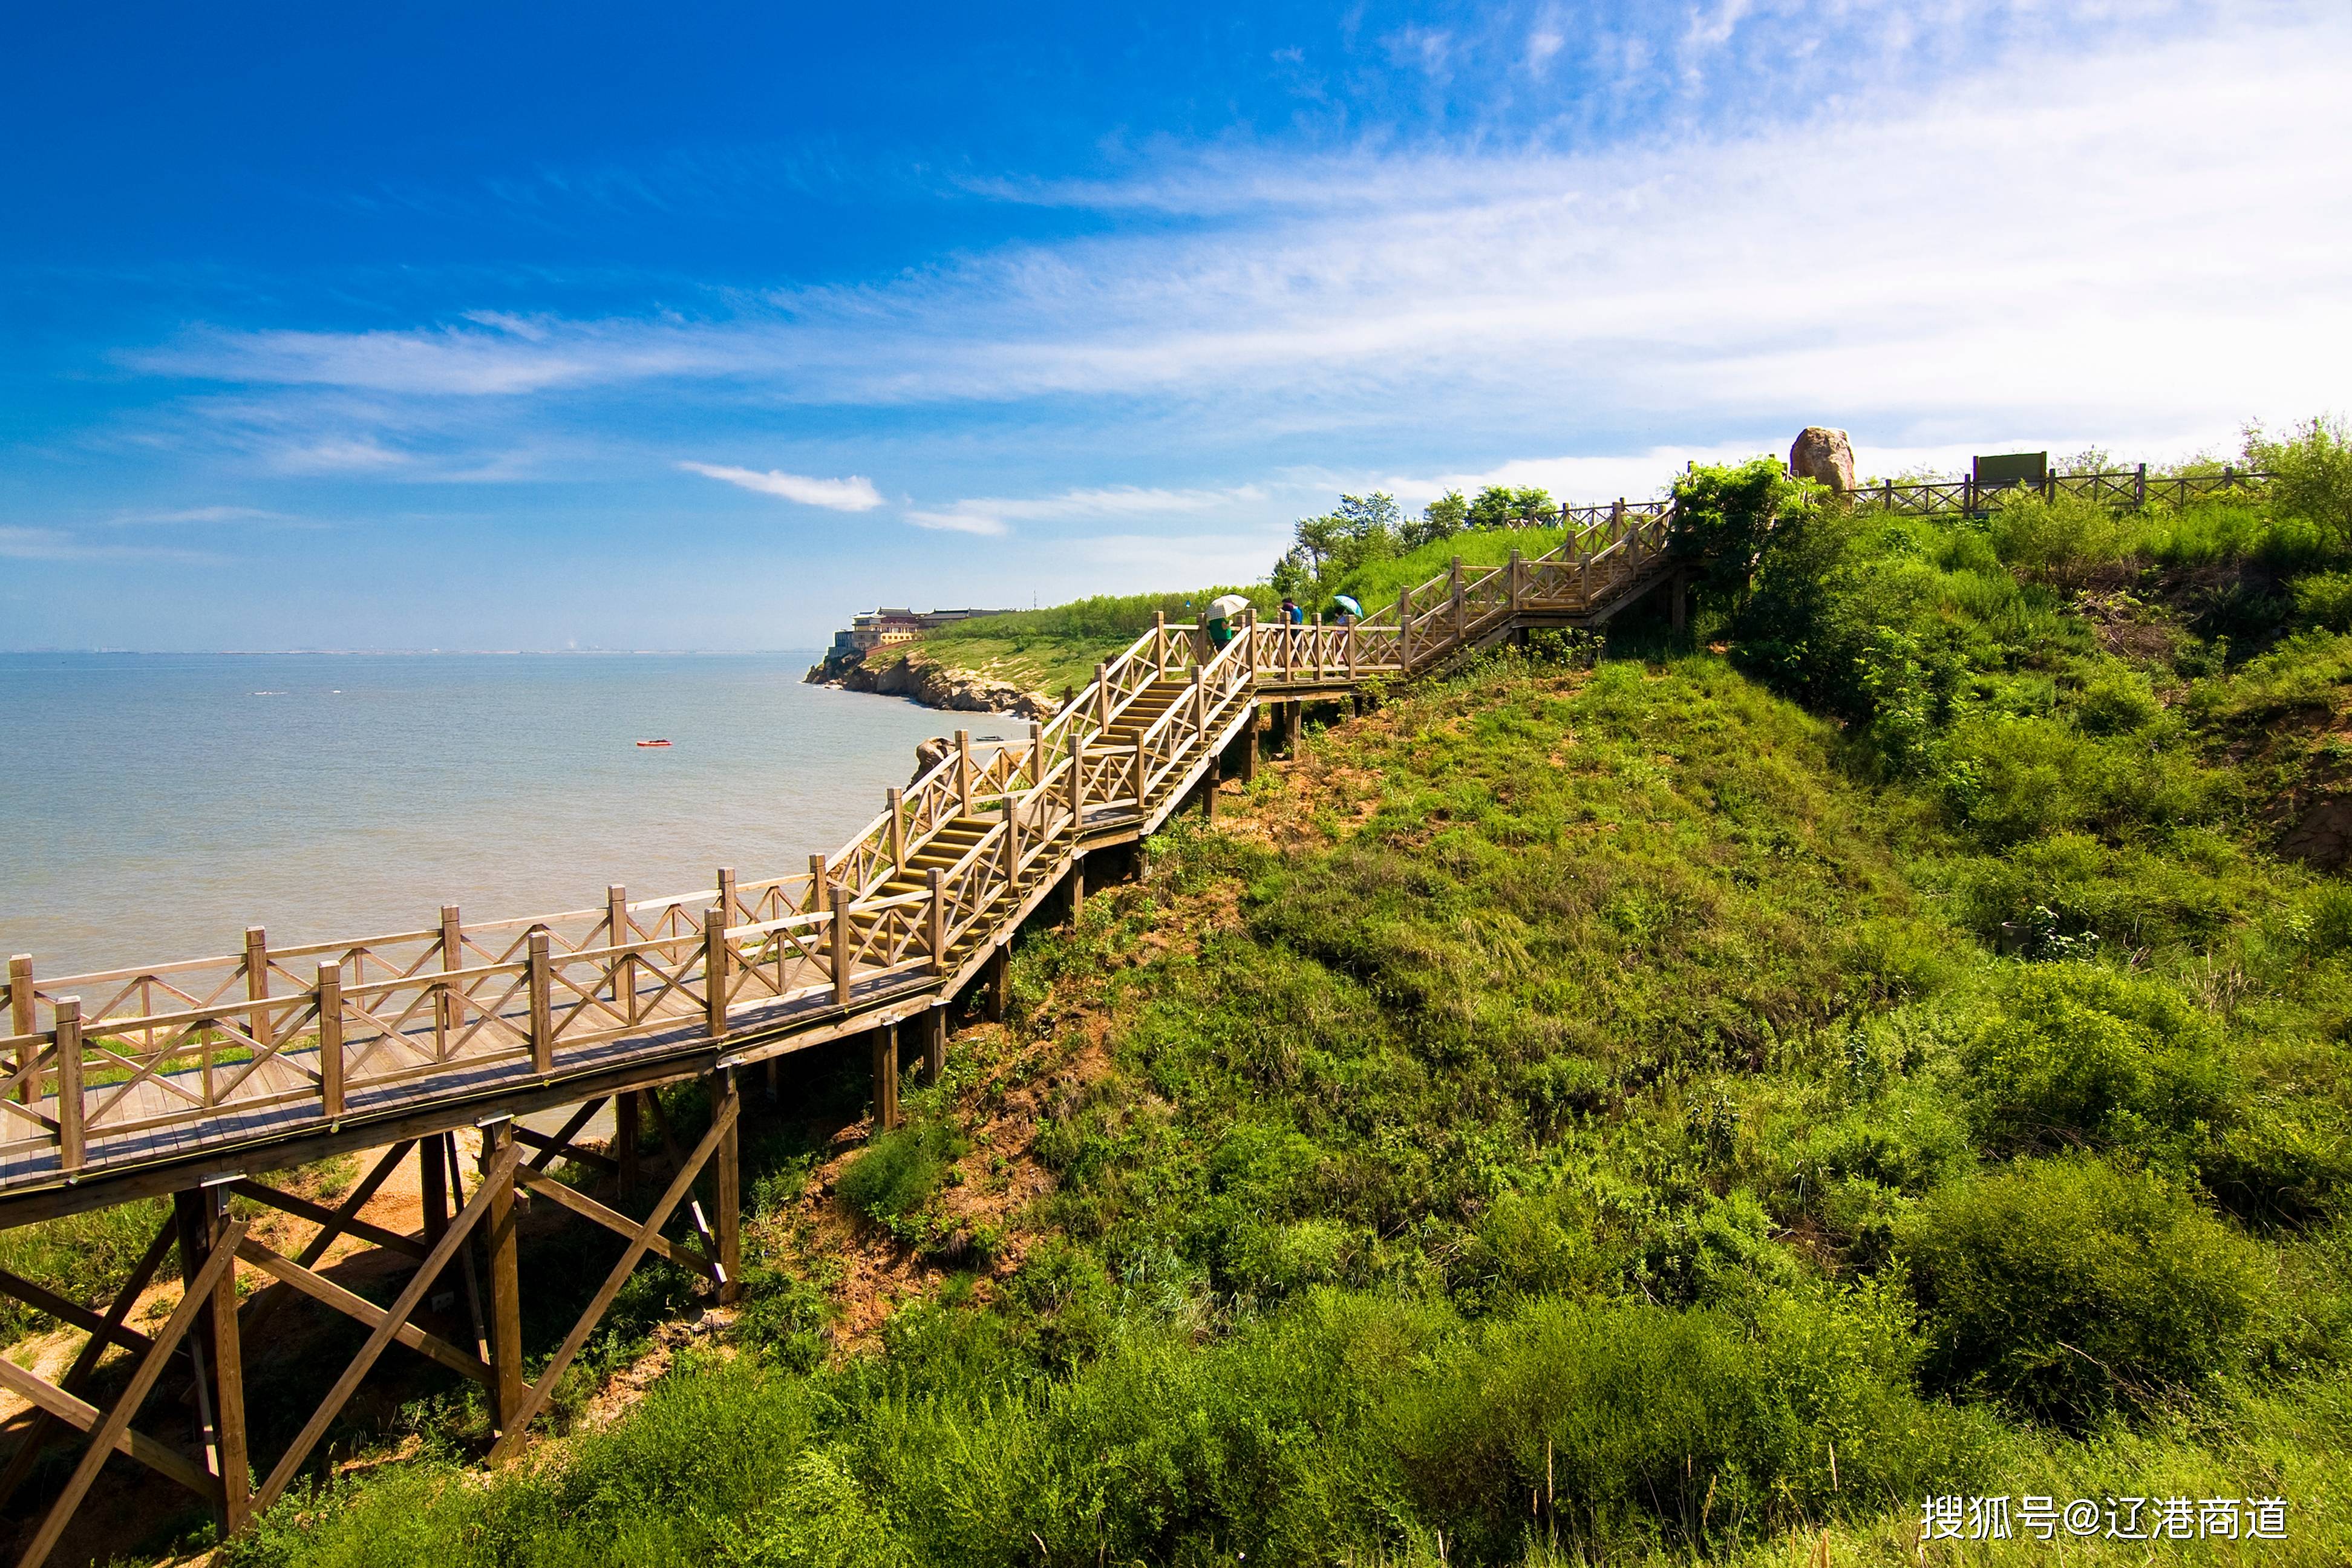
{"x": 1441, "y": 519}
{"x": 1725, "y": 516}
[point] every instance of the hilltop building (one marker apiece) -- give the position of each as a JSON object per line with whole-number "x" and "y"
{"x": 882, "y": 627}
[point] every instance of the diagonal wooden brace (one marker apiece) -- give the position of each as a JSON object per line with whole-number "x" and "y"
{"x": 535, "y": 1397}
{"x": 319, "y": 1214}
{"x": 264, "y": 1303}
{"x": 109, "y": 1434}
{"x": 321, "y": 1289}
{"x": 494, "y": 1179}
{"x": 93, "y": 1351}
{"x": 619, "y": 1223}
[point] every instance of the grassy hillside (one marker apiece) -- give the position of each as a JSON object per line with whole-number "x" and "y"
{"x": 1694, "y": 1108}
{"x": 1048, "y": 649}
{"x": 1615, "y": 1115}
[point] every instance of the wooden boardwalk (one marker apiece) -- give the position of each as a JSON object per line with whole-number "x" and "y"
{"x": 197, "y": 1079}
{"x": 140, "y": 1079}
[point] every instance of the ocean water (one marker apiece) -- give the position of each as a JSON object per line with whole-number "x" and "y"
{"x": 154, "y": 805}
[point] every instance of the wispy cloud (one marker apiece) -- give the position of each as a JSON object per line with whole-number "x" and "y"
{"x": 19, "y": 543}
{"x": 1123, "y": 504}
{"x": 197, "y": 514}
{"x": 1702, "y": 277}
{"x": 855, "y": 493}
{"x": 958, "y": 521}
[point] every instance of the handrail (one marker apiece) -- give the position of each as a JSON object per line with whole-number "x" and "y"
{"x": 524, "y": 992}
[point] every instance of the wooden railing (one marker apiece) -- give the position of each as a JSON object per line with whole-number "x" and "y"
{"x": 295, "y": 1036}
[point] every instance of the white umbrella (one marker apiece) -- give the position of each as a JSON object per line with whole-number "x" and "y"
{"x": 1225, "y": 607}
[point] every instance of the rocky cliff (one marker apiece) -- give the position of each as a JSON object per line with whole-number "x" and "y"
{"x": 933, "y": 686}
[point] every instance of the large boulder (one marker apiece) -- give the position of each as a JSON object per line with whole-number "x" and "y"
{"x": 931, "y": 753}
{"x": 1825, "y": 456}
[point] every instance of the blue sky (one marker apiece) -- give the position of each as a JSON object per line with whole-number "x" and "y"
{"x": 697, "y": 327}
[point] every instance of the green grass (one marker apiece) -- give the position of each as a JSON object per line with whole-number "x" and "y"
{"x": 1689, "y": 1110}
{"x": 1048, "y": 649}
{"x": 1561, "y": 1162}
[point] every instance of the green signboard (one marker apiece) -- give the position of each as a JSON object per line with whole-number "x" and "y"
{"x": 2012, "y": 468}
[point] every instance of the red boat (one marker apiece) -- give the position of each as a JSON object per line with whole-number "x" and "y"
{"x": 652, "y": 742}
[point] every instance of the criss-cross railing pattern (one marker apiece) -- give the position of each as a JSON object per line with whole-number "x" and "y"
{"x": 341, "y": 1027}
{"x": 127, "y": 1064}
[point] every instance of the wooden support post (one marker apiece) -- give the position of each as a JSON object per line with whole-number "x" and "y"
{"x": 1249, "y": 744}
{"x": 1200, "y": 705}
{"x": 843, "y": 959}
{"x": 539, "y": 971}
{"x": 717, "y": 971}
{"x": 1077, "y": 884}
{"x": 1209, "y": 793}
{"x": 20, "y": 1022}
{"x": 625, "y": 1139}
{"x": 1461, "y": 604}
{"x": 1404, "y": 627}
{"x": 647, "y": 1235}
{"x": 433, "y": 1173}
{"x": 331, "y": 1041}
{"x": 999, "y": 962}
{"x": 257, "y": 982}
{"x": 726, "y": 901}
{"x": 728, "y": 1178}
{"x": 451, "y": 1012}
{"x": 1036, "y": 754}
{"x": 1680, "y": 589}
{"x": 69, "y": 1111}
{"x": 772, "y": 1064}
{"x": 112, "y": 1431}
{"x": 496, "y": 1185}
{"x": 820, "y": 893}
{"x": 896, "y": 799}
{"x": 1142, "y": 771}
{"x": 500, "y": 1152}
{"x": 935, "y": 920}
{"x": 618, "y": 933}
{"x": 883, "y": 1042}
{"x": 215, "y": 1349}
{"x": 963, "y": 773}
{"x": 1160, "y": 643}
{"x": 1518, "y": 571}
{"x": 1078, "y": 782}
{"x": 2139, "y": 487}
{"x": 1102, "y": 696}
{"x": 933, "y": 1022}
{"x": 433, "y": 1188}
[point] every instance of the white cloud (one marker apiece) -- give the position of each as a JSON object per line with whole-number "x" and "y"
{"x": 199, "y": 514}
{"x": 1107, "y": 503}
{"x": 17, "y": 543}
{"x": 958, "y": 521}
{"x": 855, "y": 493}
{"x": 2145, "y": 239}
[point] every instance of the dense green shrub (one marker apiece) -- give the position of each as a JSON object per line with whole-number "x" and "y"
{"x": 2066, "y": 1288}
{"x": 784, "y": 1319}
{"x": 897, "y": 1173}
{"x": 2080, "y": 1056}
{"x": 1629, "y": 1423}
{"x": 2062, "y": 540}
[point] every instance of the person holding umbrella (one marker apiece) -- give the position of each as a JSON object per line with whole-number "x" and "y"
{"x": 1223, "y": 609}
{"x": 1348, "y": 610}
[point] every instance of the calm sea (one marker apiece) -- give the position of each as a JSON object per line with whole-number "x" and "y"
{"x": 151, "y": 806}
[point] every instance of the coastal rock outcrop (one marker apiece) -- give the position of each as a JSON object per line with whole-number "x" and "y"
{"x": 1824, "y": 454}
{"x": 934, "y": 686}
